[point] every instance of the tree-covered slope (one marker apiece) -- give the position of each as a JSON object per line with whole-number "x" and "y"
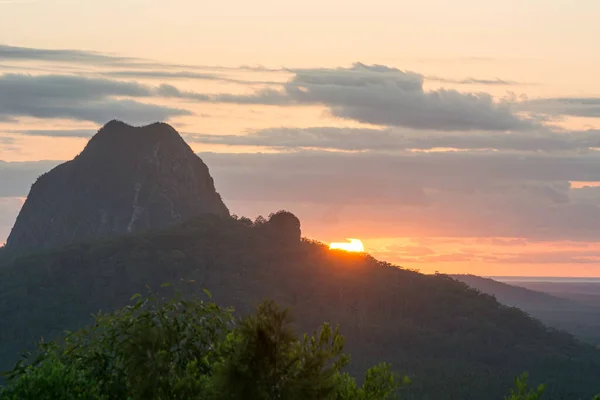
{"x": 452, "y": 341}
{"x": 517, "y": 296}
{"x": 580, "y": 319}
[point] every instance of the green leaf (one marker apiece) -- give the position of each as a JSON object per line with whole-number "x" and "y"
{"x": 135, "y": 296}
{"x": 207, "y": 293}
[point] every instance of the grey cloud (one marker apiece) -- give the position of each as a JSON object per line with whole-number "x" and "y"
{"x": 588, "y": 107}
{"x": 14, "y": 86}
{"x": 9, "y": 208}
{"x": 161, "y": 74}
{"x": 373, "y": 94}
{"x": 252, "y": 182}
{"x": 14, "y": 53}
{"x": 21, "y": 68}
{"x": 268, "y": 96}
{"x": 127, "y": 110}
{"x": 410, "y": 250}
{"x": 547, "y": 257}
{"x": 79, "y": 98}
{"x": 264, "y": 96}
{"x": 7, "y": 144}
{"x": 72, "y": 133}
{"x": 430, "y": 169}
{"x": 438, "y": 194}
{"x": 502, "y": 242}
{"x": 553, "y": 257}
{"x": 382, "y": 95}
{"x": 360, "y": 139}
{"x": 475, "y": 81}
{"x": 91, "y": 99}
{"x": 17, "y": 177}
{"x": 588, "y": 195}
{"x": 70, "y": 56}
{"x": 171, "y": 91}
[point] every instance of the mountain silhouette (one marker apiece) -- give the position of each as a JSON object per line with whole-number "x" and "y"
{"x": 127, "y": 179}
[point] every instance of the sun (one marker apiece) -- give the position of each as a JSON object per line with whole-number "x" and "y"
{"x": 354, "y": 245}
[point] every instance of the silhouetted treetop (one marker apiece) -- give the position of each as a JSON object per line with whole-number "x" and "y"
{"x": 284, "y": 226}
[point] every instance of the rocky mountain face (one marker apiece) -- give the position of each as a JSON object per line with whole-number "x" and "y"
{"x": 127, "y": 179}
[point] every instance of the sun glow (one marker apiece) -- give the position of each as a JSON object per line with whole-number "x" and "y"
{"x": 354, "y": 245}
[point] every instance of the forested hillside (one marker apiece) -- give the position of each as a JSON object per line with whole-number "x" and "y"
{"x": 452, "y": 341}
{"x": 578, "y": 318}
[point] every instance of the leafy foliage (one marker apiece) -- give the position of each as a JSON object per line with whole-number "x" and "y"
{"x": 184, "y": 349}
{"x": 52, "y": 380}
{"x": 268, "y": 361}
{"x": 521, "y": 391}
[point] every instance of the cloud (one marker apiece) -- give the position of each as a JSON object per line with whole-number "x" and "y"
{"x": 171, "y": 91}
{"x": 70, "y": 56}
{"x": 464, "y": 194}
{"x": 381, "y": 95}
{"x": 395, "y": 139}
{"x": 162, "y": 74}
{"x": 17, "y": 177}
{"x": 387, "y": 96}
{"x": 7, "y": 144}
{"x": 264, "y": 96}
{"x": 79, "y": 98}
{"x": 588, "y": 107}
{"x": 553, "y": 257}
{"x": 374, "y": 94}
{"x": 519, "y": 256}
{"x": 65, "y": 133}
{"x": 502, "y": 242}
{"x": 474, "y": 81}
{"x": 409, "y": 250}
{"x": 459, "y": 171}
{"x": 14, "y": 53}
{"x": 9, "y": 209}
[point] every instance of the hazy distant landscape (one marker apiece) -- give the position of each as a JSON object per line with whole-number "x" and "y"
{"x": 583, "y": 290}
{"x": 564, "y": 303}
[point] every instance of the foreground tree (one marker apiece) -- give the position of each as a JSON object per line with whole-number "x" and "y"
{"x": 53, "y": 380}
{"x": 521, "y": 390}
{"x": 193, "y": 349}
{"x": 267, "y": 361}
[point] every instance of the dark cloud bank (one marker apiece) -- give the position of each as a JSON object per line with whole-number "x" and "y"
{"x": 79, "y": 98}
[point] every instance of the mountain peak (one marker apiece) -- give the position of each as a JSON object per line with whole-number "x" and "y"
{"x": 120, "y": 132}
{"x": 114, "y": 123}
{"x": 126, "y": 179}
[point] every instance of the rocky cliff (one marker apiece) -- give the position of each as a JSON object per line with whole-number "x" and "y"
{"x": 126, "y": 179}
